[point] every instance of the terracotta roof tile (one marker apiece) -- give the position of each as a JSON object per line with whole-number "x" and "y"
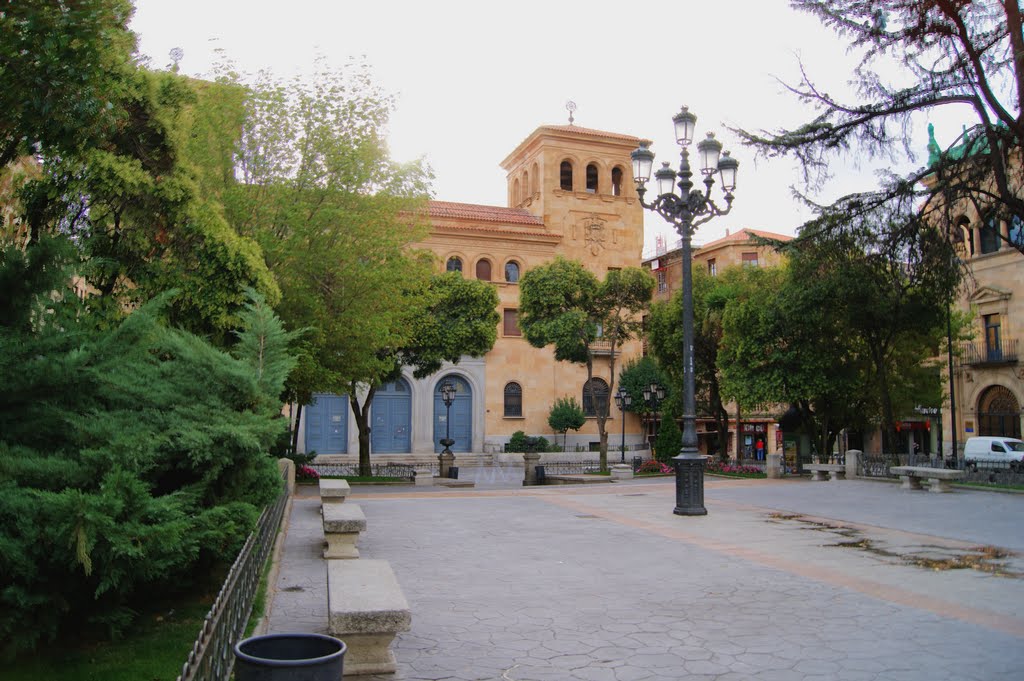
{"x": 744, "y": 235}
{"x": 591, "y": 131}
{"x": 470, "y": 211}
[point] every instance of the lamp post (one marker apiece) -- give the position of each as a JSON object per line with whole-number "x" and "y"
{"x": 654, "y": 395}
{"x": 447, "y": 390}
{"x": 687, "y": 211}
{"x": 623, "y": 400}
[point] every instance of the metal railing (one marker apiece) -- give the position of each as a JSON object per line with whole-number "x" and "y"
{"x": 980, "y": 352}
{"x": 212, "y": 656}
{"x": 379, "y": 470}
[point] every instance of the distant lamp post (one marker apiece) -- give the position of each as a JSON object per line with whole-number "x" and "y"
{"x": 623, "y": 400}
{"x": 687, "y": 211}
{"x": 654, "y": 395}
{"x": 447, "y": 390}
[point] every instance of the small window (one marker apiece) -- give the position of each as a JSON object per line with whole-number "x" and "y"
{"x": 512, "y": 272}
{"x": 662, "y": 281}
{"x": 990, "y": 235}
{"x": 592, "y": 178}
{"x": 617, "y": 181}
{"x": 510, "y": 323}
{"x": 750, "y": 259}
{"x": 566, "y": 176}
{"x": 526, "y": 185}
{"x": 599, "y": 401}
{"x": 513, "y": 400}
{"x": 454, "y": 264}
{"x": 483, "y": 269}
{"x": 712, "y": 267}
{"x": 536, "y": 175}
{"x": 517, "y": 197}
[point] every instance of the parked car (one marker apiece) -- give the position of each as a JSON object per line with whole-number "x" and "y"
{"x": 994, "y": 452}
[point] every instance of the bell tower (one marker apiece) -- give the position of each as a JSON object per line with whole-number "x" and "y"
{"x": 579, "y": 182}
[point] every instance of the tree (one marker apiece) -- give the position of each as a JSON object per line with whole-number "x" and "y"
{"x": 710, "y": 296}
{"x": 566, "y": 414}
{"x": 637, "y": 375}
{"x": 63, "y": 65}
{"x": 132, "y": 458}
{"x": 953, "y": 54}
{"x": 564, "y": 305}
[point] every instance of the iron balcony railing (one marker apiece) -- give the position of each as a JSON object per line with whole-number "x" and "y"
{"x": 980, "y": 353}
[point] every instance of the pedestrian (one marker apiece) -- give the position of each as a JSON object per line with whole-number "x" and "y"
{"x": 760, "y": 449}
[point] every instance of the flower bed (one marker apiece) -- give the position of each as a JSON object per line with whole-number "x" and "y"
{"x": 716, "y": 467}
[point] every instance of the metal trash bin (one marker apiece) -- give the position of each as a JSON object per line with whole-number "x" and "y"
{"x": 453, "y": 472}
{"x": 539, "y": 473}
{"x": 289, "y": 657}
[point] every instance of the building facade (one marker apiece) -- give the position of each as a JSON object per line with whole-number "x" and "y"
{"x": 570, "y": 194}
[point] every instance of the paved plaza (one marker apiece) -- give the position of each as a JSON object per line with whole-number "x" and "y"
{"x": 791, "y": 579}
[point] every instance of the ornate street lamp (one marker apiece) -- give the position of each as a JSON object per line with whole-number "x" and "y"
{"x": 687, "y": 211}
{"x": 623, "y": 400}
{"x": 447, "y": 390}
{"x": 654, "y": 395}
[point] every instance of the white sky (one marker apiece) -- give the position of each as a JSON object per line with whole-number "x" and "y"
{"x": 474, "y": 78}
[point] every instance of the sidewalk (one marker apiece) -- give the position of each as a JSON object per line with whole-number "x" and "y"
{"x": 781, "y": 580}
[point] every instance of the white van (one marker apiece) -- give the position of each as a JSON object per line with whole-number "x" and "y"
{"x": 997, "y": 451}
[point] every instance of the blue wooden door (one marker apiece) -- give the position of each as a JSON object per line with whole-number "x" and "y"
{"x": 391, "y": 419}
{"x": 461, "y": 429}
{"x": 327, "y": 424}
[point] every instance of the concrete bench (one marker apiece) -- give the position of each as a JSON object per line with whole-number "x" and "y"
{"x": 333, "y": 491}
{"x": 938, "y": 478}
{"x": 836, "y": 471}
{"x": 366, "y": 608}
{"x": 342, "y": 525}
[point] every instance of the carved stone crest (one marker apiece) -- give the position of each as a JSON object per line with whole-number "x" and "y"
{"x": 595, "y": 234}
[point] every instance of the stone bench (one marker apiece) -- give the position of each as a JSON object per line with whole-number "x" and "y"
{"x": 342, "y": 525}
{"x": 836, "y": 471}
{"x": 366, "y": 608}
{"x": 938, "y": 478}
{"x": 333, "y": 491}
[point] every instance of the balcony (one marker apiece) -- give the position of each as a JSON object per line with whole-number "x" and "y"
{"x": 979, "y": 353}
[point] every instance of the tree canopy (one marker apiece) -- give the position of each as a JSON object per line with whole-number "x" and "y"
{"x": 968, "y": 55}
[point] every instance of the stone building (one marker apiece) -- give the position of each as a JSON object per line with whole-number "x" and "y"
{"x": 732, "y": 250}
{"x": 570, "y": 193}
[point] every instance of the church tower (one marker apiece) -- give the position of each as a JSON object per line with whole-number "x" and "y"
{"x": 579, "y": 182}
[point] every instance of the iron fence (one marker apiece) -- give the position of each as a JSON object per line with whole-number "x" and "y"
{"x": 212, "y": 657}
{"x": 380, "y": 470}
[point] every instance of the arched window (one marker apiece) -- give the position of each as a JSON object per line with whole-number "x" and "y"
{"x": 513, "y": 399}
{"x": 526, "y": 185}
{"x": 454, "y": 264}
{"x": 990, "y": 235}
{"x": 536, "y": 175}
{"x": 966, "y": 236}
{"x": 998, "y": 412}
{"x": 566, "y": 176}
{"x": 512, "y": 271}
{"x": 592, "y": 178}
{"x": 483, "y": 269}
{"x": 617, "y": 181}
{"x": 517, "y": 197}
{"x": 1016, "y": 233}
{"x": 598, "y": 402}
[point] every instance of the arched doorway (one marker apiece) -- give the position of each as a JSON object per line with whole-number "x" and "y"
{"x": 391, "y": 419}
{"x": 998, "y": 412}
{"x": 461, "y": 414}
{"x": 327, "y": 424}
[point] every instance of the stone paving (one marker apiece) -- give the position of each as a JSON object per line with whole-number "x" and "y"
{"x": 781, "y": 580}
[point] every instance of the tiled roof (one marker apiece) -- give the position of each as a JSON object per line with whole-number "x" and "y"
{"x": 470, "y": 211}
{"x": 744, "y": 235}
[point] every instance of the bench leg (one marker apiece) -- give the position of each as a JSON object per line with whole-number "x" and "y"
{"x": 910, "y": 482}
{"x": 818, "y": 475}
{"x": 341, "y": 545}
{"x": 368, "y": 653}
{"x": 936, "y": 485}
{"x": 836, "y": 475}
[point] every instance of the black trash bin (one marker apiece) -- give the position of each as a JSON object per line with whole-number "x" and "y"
{"x": 539, "y": 471}
{"x": 453, "y": 472}
{"x": 289, "y": 657}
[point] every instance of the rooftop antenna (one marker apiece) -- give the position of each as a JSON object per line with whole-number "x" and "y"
{"x": 570, "y": 106}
